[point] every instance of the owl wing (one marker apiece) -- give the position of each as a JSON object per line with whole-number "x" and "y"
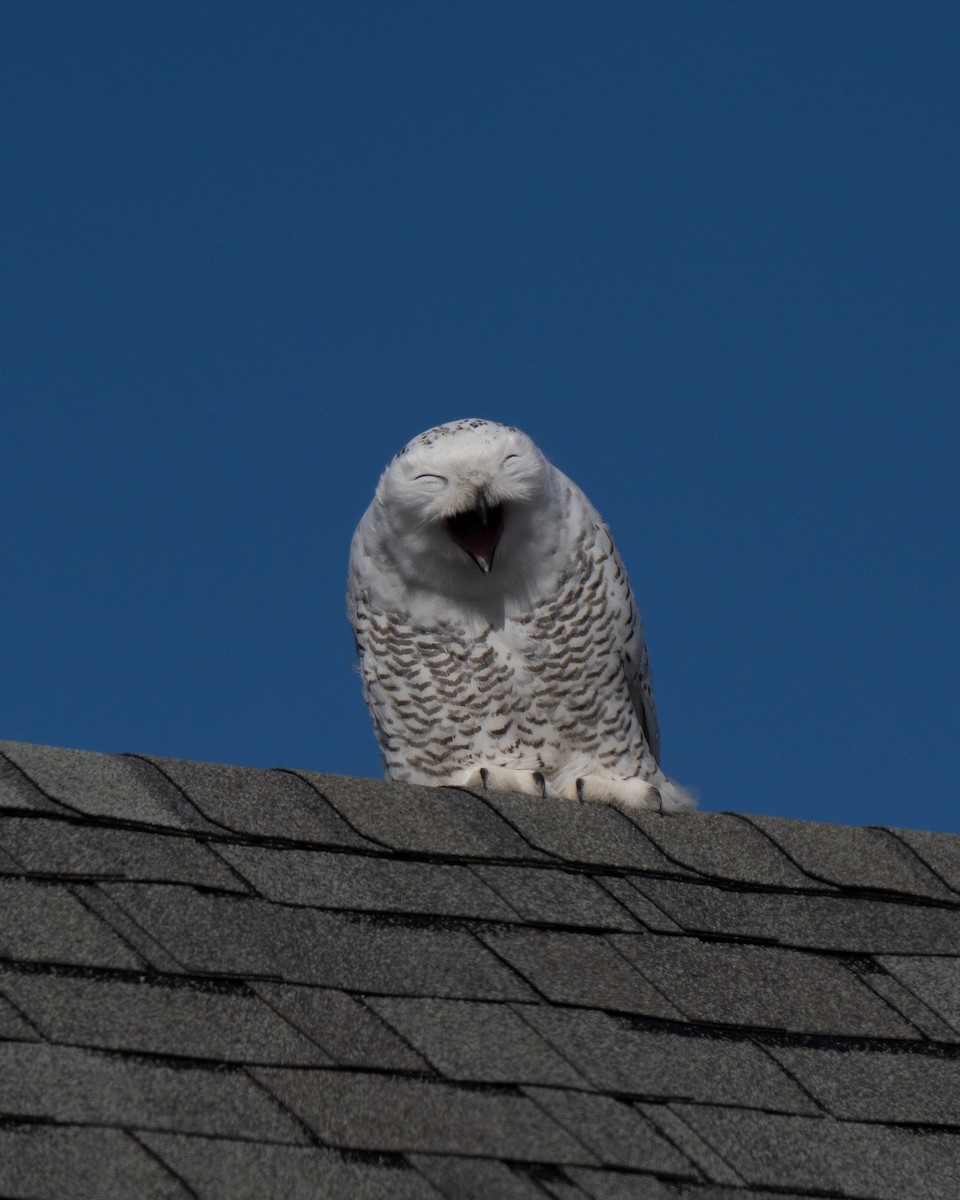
{"x": 636, "y": 661}
{"x": 637, "y": 667}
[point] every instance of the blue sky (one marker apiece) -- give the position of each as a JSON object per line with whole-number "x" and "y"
{"x": 706, "y": 254}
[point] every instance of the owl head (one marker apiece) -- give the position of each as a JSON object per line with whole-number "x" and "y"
{"x": 461, "y": 509}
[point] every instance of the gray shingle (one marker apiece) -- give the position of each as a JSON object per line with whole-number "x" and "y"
{"x": 649, "y": 914}
{"x": 762, "y": 986}
{"x": 472, "y": 1042}
{"x": 875, "y": 1085}
{"x": 560, "y": 1188}
{"x": 607, "y": 1185}
{"x": 238, "y": 936}
{"x": 852, "y": 857}
{"x": 679, "y": 1133}
{"x": 104, "y": 785}
{"x": 578, "y": 968}
{"x": 18, "y": 793}
{"x": 545, "y": 896}
{"x": 581, "y": 833}
{"x": 940, "y": 851}
{"x": 256, "y": 803}
{"x": 474, "y": 1178}
{"x": 149, "y": 953}
{"x": 617, "y": 1056}
{"x": 53, "y": 926}
{"x": 345, "y": 1028}
{"x": 722, "y": 845}
{"x": 910, "y": 1006}
{"x": 79, "y": 1163}
{"x": 151, "y": 1019}
{"x": 602, "y": 1185}
{"x": 8, "y": 865}
{"x": 65, "y": 1084}
{"x": 616, "y": 1132}
{"x": 821, "y": 922}
{"x": 66, "y": 849}
{"x": 233, "y": 972}
{"x": 366, "y": 882}
{"x": 14, "y": 1027}
{"x": 216, "y": 1169}
{"x": 437, "y": 1118}
{"x": 725, "y": 1193}
{"x": 845, "y": 1158}
{"x": 446, "y": 821}
{"x": 935, "y": 980}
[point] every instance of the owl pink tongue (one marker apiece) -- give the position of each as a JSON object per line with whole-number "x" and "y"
{"x": 478, "y": 532}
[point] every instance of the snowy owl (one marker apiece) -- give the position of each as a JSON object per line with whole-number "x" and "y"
{"x": 500, "y": 645}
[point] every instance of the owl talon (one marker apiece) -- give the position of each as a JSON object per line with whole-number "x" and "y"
{"x": 632, "y": 795}
{"x": 503, "y": 779}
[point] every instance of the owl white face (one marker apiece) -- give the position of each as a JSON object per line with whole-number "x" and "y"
{"x": 457, "y": 503}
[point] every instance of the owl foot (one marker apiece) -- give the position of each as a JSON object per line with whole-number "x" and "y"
{"x": 628, "y": 794}
{"x": 505, "y": 779}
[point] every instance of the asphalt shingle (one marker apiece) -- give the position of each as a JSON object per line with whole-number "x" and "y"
{"x": 471, "y": 1042}
{"x": 861, "y": 1085}
{"x": 761, "y": 986}
{"x": 343, "y": 1026}
{"x": 69, "y": 850}
{"x": 413, "y": 1114}
{"x": 74, "y": 1162}
{"x": 679, "y": 1133}
{"x": 147, "y": 1018}
{"x": 274, "y": 804}
{"x": 443, "y": 821}
{"x": 366, "y": 882}
{"x": 617, "y": 1133}
{"x": 934, "y": 980}
{"x": 223, "y": 935}
{"x": 51, "y": 925}
{"x": 73, "y": 1086}
{"x": 17, "y": 792}
{"x": 843, "y": 923}
{"x": 721, "y": 845}
{"x": 579, "y": 968}
{"x": 852, "y": 857}
{"x": 105, "y": 785}
{"x": 147, "y": 953}
{"x": 626, "y": 890}
{"x": 602, "y": 1185}
{"x": 218, "y": 1169}
{"x": 940, "y": 851}
{"x": 544, "y": 896}
{"x": 907, "y": 1003}
{"x": 474, "y": 1178}
{"x": 608, "y": 1185}
{"x": 13, "y": 1026}
{"x": 617, "y": 1056}
{"x": 842, "y": 1158}
{"x": 8, "y": 865}
{"x": 224, "y": 983}
{"x": 581, "y": 833}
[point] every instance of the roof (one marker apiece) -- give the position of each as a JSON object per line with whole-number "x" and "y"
{"x": 222, "y": 982}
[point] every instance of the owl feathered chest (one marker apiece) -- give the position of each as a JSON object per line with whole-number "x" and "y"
{"x": 551, "y": 674}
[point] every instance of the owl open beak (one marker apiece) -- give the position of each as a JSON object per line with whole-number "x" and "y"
{"x": 478, "y": 531}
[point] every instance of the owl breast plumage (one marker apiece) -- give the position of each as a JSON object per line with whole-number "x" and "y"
{"x": 499, "y": 640}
